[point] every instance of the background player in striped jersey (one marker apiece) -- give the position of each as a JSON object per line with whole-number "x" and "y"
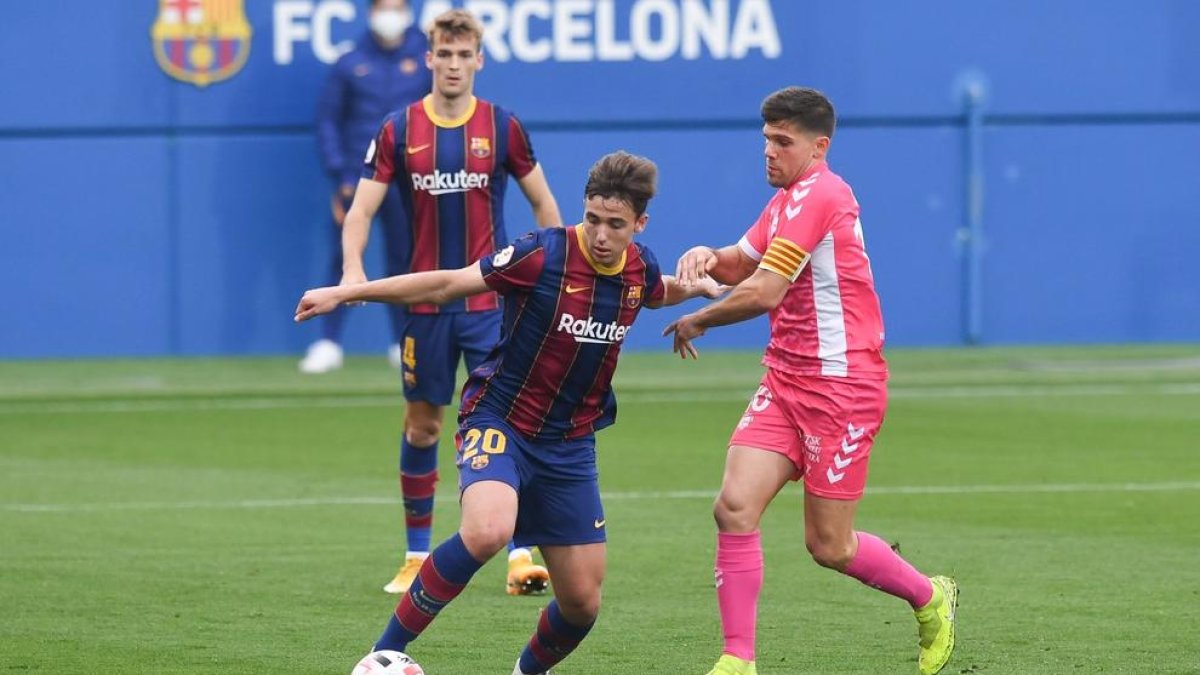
{"x": 822, "y": 400}
{"x": 450, "y": 155}
{"x": 380, "y": 74}
{"x": 527, "y": 453}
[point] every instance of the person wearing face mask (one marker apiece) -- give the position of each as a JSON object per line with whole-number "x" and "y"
{"x": 384, "y": 72}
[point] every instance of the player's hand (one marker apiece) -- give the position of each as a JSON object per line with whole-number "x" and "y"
{"x": 685, "y": 330}
{"x": 695, "y": 265}
{"x": 353, "y": 276}
{"x": 711, "y": 289}
{"x": 318, "y": 301}
{"x": 339, "y": 204}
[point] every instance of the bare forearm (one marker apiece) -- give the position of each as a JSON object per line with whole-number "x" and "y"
{"x": 677, "y": 293}
{"x": 742, "y": 304}
{"x": 355, "y": 231}
{"x": 546, "y": 214}
{"x": 436, "y": 287}
{"x": 731, "y": 268}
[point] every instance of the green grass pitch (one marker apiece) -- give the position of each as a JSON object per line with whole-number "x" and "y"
{"x": 232, "y": 516}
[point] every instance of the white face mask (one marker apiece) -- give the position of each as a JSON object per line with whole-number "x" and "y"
{"x": 390, "y": 24}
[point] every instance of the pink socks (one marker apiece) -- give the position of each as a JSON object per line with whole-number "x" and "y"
{"x": 739, "y": 579}
{"x": 878, "y": 566}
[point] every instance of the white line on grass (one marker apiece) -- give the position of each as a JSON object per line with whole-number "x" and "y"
{"x": 303, "y": 402}
{"x": 1047, "y": 488}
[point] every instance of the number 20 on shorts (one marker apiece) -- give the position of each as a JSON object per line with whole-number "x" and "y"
{"x": 490, "y": 441}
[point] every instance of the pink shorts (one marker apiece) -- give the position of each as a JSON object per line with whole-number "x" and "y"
{"x": 824, "y": 425}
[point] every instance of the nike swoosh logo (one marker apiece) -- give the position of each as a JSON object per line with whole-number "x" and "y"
{"x": 576, "y": 289}
{"x": 600, "y": 523}
{"x": 415, "y": 150}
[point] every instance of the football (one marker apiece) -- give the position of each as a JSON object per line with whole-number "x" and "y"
{"x": 387, "y": 662}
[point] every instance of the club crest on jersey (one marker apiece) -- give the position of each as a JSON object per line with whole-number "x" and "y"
{"x": 201, "y": 41}
{"x": 481, "y": 147}
{"x": 479, "y": 462}
{"x": 633, "y": 296}
{"x": 408, "y": 66}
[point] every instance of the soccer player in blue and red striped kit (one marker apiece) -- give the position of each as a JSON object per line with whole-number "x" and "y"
{"x": 450, "y": 155}
{"x": 527, "y": 449}
{"x": 383, "y": 72}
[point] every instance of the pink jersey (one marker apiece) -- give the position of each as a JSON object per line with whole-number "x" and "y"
{"x": 829, "y": 321}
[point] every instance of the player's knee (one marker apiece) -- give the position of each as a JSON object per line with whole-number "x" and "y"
{"x": 830, "y": 553}
{"x": 733, "y": 514}
{"x": 580, "y": 609}
{"x": 421, "y": 431}
{"x": 486, "y": 537}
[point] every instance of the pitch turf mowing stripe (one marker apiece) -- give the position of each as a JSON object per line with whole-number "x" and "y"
{"x": 670, "y": 396}
{"x": 1050, "y": 488}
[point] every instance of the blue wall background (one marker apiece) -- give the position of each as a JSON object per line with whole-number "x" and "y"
{"x": 145, "y": 216}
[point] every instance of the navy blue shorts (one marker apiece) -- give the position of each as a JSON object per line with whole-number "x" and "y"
{"x": 557, "y": 484}
{"x": 433, "y": 345}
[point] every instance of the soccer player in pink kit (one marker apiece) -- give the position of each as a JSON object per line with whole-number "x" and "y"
{"x": 817, "y": 410}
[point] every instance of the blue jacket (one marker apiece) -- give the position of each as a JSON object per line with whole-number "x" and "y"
{"x": 364, "y": 86}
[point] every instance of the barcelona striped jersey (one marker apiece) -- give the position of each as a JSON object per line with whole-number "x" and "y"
{"x": 565, "y": 319}
{"x": 451, "y": 175}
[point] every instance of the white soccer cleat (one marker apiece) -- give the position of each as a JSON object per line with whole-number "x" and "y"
{"x": 396, "y": 356}
{"x": 322, "y": 356}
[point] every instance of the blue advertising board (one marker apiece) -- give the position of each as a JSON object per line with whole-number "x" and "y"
{"x": 160, "y": 174}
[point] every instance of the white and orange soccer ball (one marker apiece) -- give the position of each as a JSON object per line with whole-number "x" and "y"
{"x": 387, "y": 662}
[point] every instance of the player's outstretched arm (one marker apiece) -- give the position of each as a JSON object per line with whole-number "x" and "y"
{"x": 759, "y": 294}
{"x": 728, "y": 265}
{"x": 437, "y": 287}
{"x": 356, "y": 228}
{"x": 541, "y": 199}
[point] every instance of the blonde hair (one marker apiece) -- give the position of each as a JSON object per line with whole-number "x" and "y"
{"x": 456, "y": 23}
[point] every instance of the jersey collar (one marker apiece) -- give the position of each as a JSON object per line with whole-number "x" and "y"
{"x": 615, "y": 268}
{"x": 815, "y": 168}
{"x": 444, "y": 122}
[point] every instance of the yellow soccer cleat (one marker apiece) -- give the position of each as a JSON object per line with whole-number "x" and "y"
{"x": 524, "y": 576}
{"x": 404, "y": 577}
{"x": 729, "y": 664}
{"x": 935, "y": 626}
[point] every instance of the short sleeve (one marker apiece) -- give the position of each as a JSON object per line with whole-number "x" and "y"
{"x": 754, "y": 242}
{"x": 520, "y": 160}
{"x": 656, "y": 290}
{"x": 803, "y": 216}
{"x": 798, "y": 222}
{"x": 516, "y": 267}
{"x": 380, "y": 163}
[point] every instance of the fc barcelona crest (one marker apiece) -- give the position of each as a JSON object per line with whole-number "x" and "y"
{"x": 633, "y": 296}
{"x": 201, "y": 41}
{"x": 481, "y": 146}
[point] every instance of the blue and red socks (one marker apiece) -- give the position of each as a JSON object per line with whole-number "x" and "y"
{"x": 554, "y": 639}
{"x": 443, "y": 575}
{"x": 418, "y": 480}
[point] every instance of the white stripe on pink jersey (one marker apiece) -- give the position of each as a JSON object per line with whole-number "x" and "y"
{"x": 829, "y": 322}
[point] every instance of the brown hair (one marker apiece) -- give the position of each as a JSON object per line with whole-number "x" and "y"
{"x": 453, "y": 24}
{"x": 621, "y": 175}
{"x": 807, "y": 109}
